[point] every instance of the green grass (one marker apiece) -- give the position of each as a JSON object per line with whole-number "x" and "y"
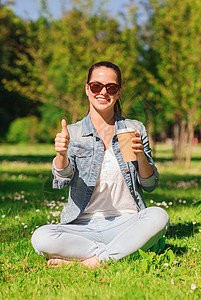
{"x": 27, "y": 201}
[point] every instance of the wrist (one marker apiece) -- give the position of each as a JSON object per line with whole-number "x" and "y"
{"x": 61, "y": 161}
{"x": 140, "y": 155}
{"x": 62, "y": 155}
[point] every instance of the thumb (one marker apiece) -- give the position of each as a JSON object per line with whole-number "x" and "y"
{"x": 64, "y": 126}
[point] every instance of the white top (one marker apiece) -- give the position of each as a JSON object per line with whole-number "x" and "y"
{"x": 111, "y": 196}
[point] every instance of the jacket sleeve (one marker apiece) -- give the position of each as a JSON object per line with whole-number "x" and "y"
{"x": 62, "y": 177}
{"x": 148, "y": 184}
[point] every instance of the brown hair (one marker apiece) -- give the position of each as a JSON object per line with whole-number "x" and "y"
{"x": 108, "y": 64}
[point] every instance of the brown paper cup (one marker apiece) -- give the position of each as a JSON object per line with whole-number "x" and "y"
{"x": 125, "y": 140}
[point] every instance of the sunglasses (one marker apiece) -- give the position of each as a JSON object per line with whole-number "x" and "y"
{"x": 111, "y": 88}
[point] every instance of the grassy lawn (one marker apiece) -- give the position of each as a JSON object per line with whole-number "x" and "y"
{"x": 27, "y": 201}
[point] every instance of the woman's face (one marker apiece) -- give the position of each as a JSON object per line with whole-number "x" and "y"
{"x": 102, "y": 101}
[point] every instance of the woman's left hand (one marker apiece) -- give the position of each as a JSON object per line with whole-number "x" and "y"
{"x": 137, "y": 145}
{"x": 145, "y": 170}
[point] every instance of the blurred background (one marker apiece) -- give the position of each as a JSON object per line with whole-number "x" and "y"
{"x": 47, "y": 47}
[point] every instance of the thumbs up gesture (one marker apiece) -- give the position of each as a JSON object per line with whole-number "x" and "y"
{"x": 62, "y": 139}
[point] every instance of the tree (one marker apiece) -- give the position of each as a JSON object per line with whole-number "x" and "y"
{"x": 54, "y": 65}
{"x": 13, "y": 41}
{"x": 177, "y": 40}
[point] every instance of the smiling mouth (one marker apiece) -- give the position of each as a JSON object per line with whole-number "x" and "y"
{"x": 102, "y": 100}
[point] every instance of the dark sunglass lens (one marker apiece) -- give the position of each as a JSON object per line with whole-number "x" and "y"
{"x": 95, "y": 87}
{"x": 112, "y": 89}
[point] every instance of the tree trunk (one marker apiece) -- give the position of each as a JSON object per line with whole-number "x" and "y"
{"x": 190, "y": 143}
{"x": 176, "y": 141}
{"x": 180, "y": 141}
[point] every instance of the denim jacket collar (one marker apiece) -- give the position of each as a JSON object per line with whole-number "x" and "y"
{"x": 88, "y": 128}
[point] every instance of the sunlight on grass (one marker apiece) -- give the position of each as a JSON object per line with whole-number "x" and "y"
{"x": 28, "y": 201}
{"x": 25, "y": 149}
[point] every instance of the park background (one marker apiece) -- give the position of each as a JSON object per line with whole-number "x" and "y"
{"x": 44, "y": 67}
{"x": 157, "y": 45}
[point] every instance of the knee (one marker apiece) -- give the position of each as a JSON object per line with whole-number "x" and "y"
{"x": 159, "y": 217}
{"x": 38, "y": 239}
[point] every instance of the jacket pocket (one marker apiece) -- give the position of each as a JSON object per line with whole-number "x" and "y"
{"x": 82, "y": 156}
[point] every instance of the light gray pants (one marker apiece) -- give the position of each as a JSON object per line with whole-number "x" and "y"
{"x": 108, "y": 238}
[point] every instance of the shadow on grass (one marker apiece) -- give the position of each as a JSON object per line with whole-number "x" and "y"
{"x": 173, "y": 186}
{"x": 27, "y": 158}
{"x": 176, "y": 249}
{"x": 169, "y": 159}
{"x": 171, "y": 180}
{"x": 35, "y": 191}
{"x": 182, "y": 230}
{"x": 48, "y": 158}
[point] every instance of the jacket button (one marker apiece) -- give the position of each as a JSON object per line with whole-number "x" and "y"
{"x": 118, "y": 150}
{"x": 132, "y": 192}
{"x": 126, "y": 171}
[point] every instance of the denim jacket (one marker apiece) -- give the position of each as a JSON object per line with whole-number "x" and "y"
{"x": 85, "y": 155}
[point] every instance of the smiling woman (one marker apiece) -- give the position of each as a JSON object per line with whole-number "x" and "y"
{"x": 104, "y": 83}
{"x": 106, "y": 217}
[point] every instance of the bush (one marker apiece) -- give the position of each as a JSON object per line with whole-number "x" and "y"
{"x": 23, "y": 130}
{"x": 31, "y": 129}
{"x": 50, "y": 123}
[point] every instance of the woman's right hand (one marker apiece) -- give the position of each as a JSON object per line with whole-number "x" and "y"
{"x": 62, "y": 140}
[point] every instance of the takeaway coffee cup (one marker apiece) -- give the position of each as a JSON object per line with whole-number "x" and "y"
{"x": 125, "y": 136}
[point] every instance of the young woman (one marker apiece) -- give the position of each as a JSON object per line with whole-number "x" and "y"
{"x": 106, "y": 217}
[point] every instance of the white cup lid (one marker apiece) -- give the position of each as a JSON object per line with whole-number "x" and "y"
{"x": 124, "y": 130}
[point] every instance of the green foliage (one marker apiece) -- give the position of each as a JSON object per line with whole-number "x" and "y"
{"x": 23, "y": 130}
{"x": 50, "y": 123}
{"x": 59, "y": 53}
{"x": 199, "y": 205}
{"x": 152, "y": 258}
{"x": 177, "y": 40}
{"x": 47, "y": 61}
{"x": 13, "y": 40}
{"x": 32, "y": 130}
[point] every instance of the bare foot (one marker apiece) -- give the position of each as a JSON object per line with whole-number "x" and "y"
{"x": 56, "y": 262}
{"x": 91, "y": 262}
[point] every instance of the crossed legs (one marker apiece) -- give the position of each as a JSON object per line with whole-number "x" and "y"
{"x": 101, "y": 239}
